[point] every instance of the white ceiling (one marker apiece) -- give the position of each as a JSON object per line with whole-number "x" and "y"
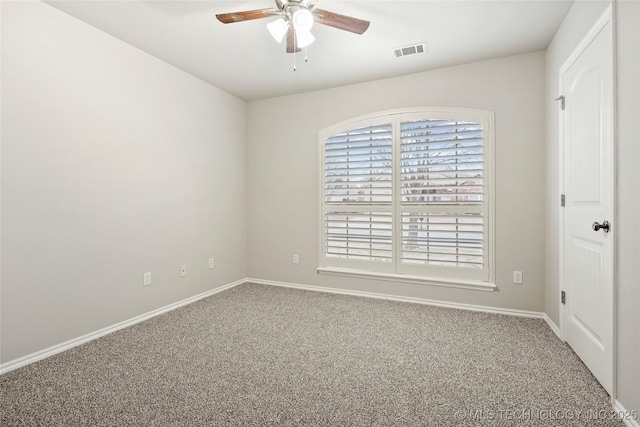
{"x": 243, "y": 59}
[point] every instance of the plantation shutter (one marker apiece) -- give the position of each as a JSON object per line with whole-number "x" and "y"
{"x": 358, "y": 191}
{"x": 441, "y": 162}
{"x": 408, "y": 193}
{"x": 358, "y": 166}
{"x": 442, "y": 187}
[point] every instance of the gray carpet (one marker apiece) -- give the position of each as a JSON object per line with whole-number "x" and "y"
{"x": 258, "y": 355}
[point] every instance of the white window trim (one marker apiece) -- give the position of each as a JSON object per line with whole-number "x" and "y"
{"x": 406, "y": 278}
{"x": 482, "y": 116}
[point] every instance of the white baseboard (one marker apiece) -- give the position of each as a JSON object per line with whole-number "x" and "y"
{"x": 553, "y": 326}
{"x": 43, "y": 354}
{"x": 630, "y": 418}
{"x": 481, "y": 308}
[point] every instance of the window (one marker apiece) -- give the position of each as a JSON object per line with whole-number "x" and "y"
{"x": 406, "y": 195}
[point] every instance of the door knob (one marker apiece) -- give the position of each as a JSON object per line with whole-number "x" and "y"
{"x": 605, "y": 226}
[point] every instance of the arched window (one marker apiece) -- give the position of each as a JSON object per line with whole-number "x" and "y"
{"x": 407, "y": 194}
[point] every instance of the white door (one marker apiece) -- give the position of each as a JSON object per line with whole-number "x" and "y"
{"x": 588, "y": 171}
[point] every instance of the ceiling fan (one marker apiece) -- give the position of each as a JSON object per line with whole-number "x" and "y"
{"x": 295, "y": 19}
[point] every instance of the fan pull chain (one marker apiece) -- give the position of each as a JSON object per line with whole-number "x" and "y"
{"x": 306, "y": 59}
{"x": 295, "y": 57}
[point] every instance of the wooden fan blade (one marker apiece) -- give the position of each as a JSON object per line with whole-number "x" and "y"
{"x": 247, "y": 15}
{"x": 292, "y": 46}
{"x": 343, "y": 22}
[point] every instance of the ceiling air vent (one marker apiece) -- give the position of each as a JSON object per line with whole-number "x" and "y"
{"x": 410, "y": 50}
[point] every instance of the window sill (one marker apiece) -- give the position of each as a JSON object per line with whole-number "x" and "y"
{"x": 404, "y": 278}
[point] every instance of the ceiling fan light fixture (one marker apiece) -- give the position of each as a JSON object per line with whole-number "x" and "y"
{"x": 278, "y": 29}
{"x": 302, "y": 20}
{"x": 304, "y": 38}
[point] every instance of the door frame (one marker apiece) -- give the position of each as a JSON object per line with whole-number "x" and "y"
{"x": 605, "y": 18}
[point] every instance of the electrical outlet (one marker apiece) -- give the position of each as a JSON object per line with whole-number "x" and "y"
{"x": 211, "y": 263}
{"x": 296, "y": 259}
{"x": 147, "y": 279}
{"x": 517, "y": 277}
{"x": 183, "y": 270}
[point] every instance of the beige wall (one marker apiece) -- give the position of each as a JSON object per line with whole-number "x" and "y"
{"x": 580, "y": 19}
{"x": 113, "y": 164}
{"x": 283, "y": 173}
